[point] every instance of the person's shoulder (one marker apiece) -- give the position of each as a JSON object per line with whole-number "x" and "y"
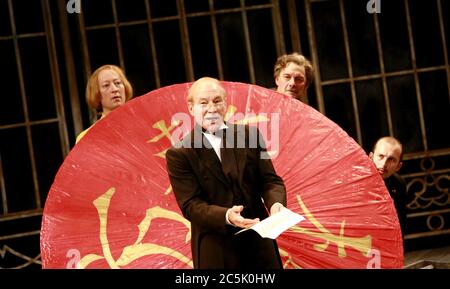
{"x": 83, "y": 133}
{"x": 399, "y": 178}
{"x": 185, "y": 143}
{"x": 175, "y": 152}
{"x": 242, "y": 127}
{"x": 400, "y": 182}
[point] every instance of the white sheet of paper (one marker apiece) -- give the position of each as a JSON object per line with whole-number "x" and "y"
{"x": 276, "y": 224}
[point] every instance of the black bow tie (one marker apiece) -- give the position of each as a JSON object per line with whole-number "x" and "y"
{"x": 219, "y": 133}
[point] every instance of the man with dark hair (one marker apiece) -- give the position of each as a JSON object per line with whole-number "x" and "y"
{"x": 293, "y": 75}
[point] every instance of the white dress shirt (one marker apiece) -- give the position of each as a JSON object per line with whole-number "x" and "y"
{"x": 215, "y": 140}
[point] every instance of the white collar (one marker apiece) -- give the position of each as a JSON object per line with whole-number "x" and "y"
{"x": 216, "y": 141}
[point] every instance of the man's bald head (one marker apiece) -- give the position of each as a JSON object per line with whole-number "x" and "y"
{"x": 207, "y": 103}
{"x": 205, "y": 83}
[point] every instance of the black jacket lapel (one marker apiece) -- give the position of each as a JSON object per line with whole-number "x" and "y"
{"x": 207, "y": 155}
{"x": 240, "y": 153}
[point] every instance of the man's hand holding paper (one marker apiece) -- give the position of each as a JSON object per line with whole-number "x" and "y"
{"x": 276, "y": 224}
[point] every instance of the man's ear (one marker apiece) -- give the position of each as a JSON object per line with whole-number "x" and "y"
{"x": 276, "y": 80}
{"x": 191, "y": 108}
{"x": 399, "y": 166}
{"x": 371, "y": 155}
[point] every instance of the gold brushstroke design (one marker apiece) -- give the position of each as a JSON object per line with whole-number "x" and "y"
{"x": 361, "y": 244}
{"x": 138, "y": 249}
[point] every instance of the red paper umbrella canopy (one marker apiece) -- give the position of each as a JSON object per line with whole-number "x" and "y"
{"x": 111, "y": 205}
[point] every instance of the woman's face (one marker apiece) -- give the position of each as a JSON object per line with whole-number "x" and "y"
{"x": 112, "y": 90}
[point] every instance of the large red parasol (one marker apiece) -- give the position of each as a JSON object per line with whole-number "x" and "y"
{"x": 111, "y": 205}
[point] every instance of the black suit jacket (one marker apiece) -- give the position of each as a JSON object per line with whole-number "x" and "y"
{"x": 205, "y": 188}
{"x": 396, "y": 186}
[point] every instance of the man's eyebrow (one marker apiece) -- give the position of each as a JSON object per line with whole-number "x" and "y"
{"x": 296, "y": 74}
